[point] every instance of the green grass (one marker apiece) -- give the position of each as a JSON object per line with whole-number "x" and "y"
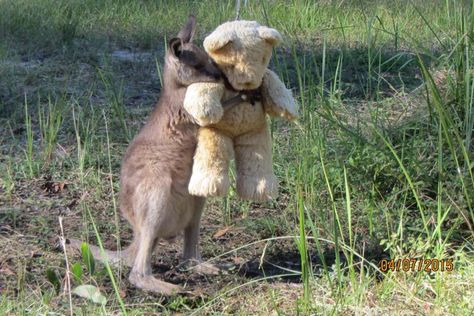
{"x": 379, "y": 166}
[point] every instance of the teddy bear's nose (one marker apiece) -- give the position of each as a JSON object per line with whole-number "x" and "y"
{"x": 248, "y": 84}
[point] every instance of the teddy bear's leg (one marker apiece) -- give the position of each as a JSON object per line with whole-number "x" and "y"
{"x": 253, "y": 158}
{"x": 210, "y": 176}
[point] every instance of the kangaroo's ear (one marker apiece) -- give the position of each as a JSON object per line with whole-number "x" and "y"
{"x": 187, "y": 32}
{"x": 174, "y": 45}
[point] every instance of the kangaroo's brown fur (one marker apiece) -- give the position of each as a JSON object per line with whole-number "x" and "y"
{"x": 157, "y": 167}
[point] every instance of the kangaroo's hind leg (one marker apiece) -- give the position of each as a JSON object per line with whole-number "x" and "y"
{"x": 191, "y": 251}
{"x": 152, "y": 208}
{"x": 191, "y": 232}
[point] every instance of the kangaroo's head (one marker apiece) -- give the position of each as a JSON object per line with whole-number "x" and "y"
{"x": 185, "y": 62}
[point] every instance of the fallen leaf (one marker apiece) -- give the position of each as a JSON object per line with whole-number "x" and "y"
{"x": 6, "y": 271}
{"x": 221, "y": 232}
{"x": 239, "y": 260}
{"x": 91, "y": 293}
{"x": 53, "y": 187}
{"x": 427, "y": 307}
{"x": 122, "y": 293}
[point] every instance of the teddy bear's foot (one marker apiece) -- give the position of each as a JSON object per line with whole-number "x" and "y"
{"x": 256, "y": 188}
{"x": 208, "y": 185}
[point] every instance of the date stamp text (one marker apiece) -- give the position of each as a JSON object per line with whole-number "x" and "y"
{"x": 416, "y": 264}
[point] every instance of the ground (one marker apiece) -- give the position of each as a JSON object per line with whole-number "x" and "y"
{"x": 379, "y": 165}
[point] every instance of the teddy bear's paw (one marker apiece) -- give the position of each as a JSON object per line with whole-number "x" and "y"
{"x": 203, "y": 102}
{"x": 208, "y": 185}
{"x": 257, "y": 188}
{"x": 208, "y": 116}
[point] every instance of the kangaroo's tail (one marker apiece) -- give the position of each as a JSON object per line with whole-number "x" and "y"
{"x": 126, "y": 256}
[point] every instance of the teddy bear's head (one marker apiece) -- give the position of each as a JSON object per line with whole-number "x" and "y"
{"x": 242, "y": 50}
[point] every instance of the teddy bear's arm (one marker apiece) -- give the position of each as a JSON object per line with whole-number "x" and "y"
{"x": 203, "y": 102}
{"x": 276, "y": 98}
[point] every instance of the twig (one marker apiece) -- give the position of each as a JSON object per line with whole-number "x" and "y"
{"x": 62, "y": 240}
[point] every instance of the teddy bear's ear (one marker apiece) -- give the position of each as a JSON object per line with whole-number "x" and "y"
{"x": 270, "y": 35}
{"x": 216, "y": 43}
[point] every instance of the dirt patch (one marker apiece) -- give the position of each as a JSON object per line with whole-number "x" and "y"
{"x": 130, "y": 56}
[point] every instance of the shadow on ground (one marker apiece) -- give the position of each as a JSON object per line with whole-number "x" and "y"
{"x": 286, "y": 265}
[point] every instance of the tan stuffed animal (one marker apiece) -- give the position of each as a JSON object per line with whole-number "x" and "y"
{"x": 242, "y": 50}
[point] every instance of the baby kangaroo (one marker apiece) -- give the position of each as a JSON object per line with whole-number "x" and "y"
{"x": 157, "y": 167}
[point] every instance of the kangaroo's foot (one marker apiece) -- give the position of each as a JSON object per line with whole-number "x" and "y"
{"x": 152, "y": 284}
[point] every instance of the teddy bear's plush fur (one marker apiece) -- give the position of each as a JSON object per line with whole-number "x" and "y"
{"x": 242, "y": 51}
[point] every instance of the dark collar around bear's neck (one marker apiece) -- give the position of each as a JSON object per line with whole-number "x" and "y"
{"x": 250, "y": 96}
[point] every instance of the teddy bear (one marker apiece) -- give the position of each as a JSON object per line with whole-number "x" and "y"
{"x": 232, "y": 114}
